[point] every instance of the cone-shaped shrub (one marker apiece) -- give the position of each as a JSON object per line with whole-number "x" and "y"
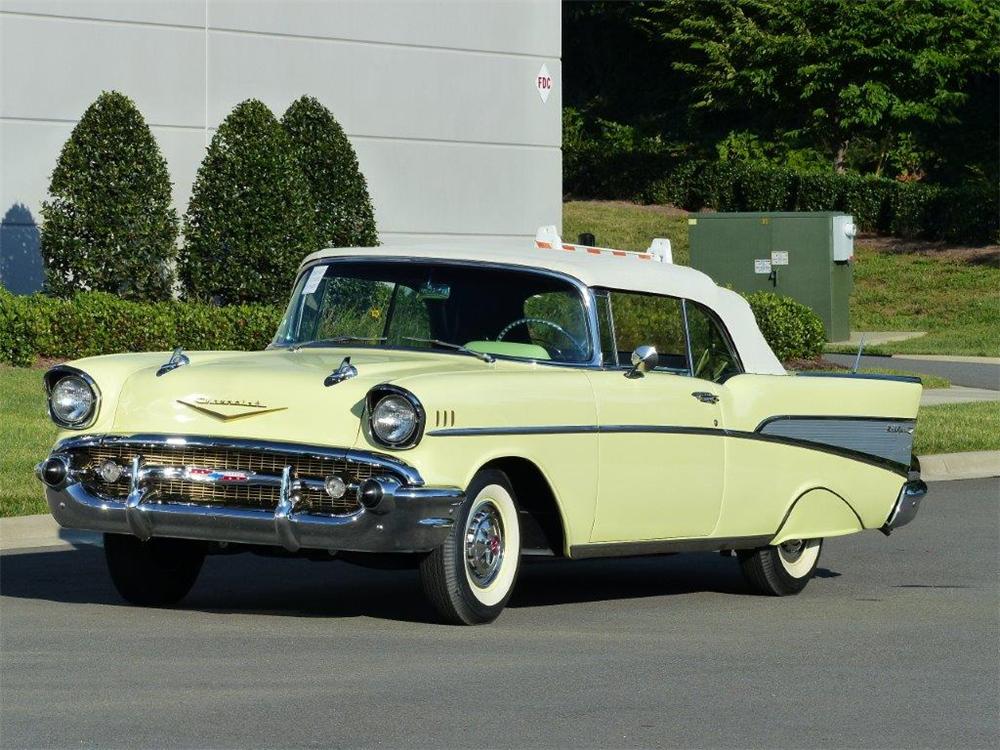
{"x": 250, "y": 219}
{"x": 343, "y": 210}
{"x": 108, "y": 224}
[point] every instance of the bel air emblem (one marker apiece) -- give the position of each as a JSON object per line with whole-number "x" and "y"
{"x": 228, "y": 409}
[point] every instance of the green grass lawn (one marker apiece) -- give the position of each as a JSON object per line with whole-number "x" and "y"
{"x": 26, "y": 436}
{"x": 951, "y": 428}
{"x": 957, "y": 301}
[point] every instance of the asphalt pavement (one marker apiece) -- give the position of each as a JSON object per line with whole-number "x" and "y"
{"x": 894, "y": 644}
{"x": 969, "y": 374}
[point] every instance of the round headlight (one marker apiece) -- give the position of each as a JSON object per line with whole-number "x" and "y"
{"x": 394, "y": 420}
{"x": 72, "y": 401}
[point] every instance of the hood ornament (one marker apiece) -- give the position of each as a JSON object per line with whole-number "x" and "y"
{"x": 343, "y": 372}
{"x": 177, "y": 359}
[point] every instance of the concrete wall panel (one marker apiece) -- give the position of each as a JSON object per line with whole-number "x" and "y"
{"x": 174, "y": 12}
{"x": 526, "y": 27}
{"x": 54, "y": 68}
{"x": 449, "y": 189}
{"x": 388, "y": 91}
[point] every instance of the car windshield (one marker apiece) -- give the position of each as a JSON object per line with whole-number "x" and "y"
{"x": 438, "y": 306}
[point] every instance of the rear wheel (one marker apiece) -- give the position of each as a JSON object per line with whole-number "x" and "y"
{"x": 469, "y": 578}
{"x": 781, "y": 570}
{"x": 156, "y": 573}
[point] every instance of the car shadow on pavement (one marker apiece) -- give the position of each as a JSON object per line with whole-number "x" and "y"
{"x": 250, "y": 584}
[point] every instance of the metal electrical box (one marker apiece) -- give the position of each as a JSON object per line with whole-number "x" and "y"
{"x": 805, "y": 256}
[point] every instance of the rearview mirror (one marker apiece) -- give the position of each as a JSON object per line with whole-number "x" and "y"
{"x": 644, "y": 359}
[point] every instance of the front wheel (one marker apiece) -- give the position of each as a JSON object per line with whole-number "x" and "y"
{"x": 781, "y": 570}
{"x": 157, "y": 573}
{"x": 470, "y": 577}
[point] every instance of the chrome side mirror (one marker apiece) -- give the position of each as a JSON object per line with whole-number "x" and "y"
{"x": 644, "y": 359}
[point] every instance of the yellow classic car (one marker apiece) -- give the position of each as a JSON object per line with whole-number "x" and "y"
{"x": 460, "y": 409}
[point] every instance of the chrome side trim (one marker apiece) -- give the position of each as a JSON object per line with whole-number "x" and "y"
{"x": 855, "y": 455}
{"x": 889, "y": 438}
{"x": 666, "y": 546}
{"x": 858, "y": 376}
{"x": 156, "y": 440}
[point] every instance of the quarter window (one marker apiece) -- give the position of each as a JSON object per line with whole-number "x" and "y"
{"x": 711, "y": 356}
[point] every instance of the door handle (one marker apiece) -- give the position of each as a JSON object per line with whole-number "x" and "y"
{"x": 705, "y": 397}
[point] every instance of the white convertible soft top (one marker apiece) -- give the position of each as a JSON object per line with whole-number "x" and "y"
{"x": 599, "y": 267}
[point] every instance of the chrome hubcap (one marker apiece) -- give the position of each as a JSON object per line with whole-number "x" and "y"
{"x": 484, "y": 544}
{"x": 792, "y": 550}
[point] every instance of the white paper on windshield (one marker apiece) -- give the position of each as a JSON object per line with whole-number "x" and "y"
{"x": 315, "y": 277}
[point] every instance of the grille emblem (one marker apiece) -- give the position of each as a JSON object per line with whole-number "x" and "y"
{"x": 228, "y": 409}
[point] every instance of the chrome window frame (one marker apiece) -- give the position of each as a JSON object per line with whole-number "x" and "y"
{"x": 585, "y": 292}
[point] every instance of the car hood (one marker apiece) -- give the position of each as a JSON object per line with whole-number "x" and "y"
{"x": 271, "y": 395}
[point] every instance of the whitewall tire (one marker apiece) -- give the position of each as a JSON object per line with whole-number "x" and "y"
{"x": 781, "y": 570}
{"x": 470, "y": 578}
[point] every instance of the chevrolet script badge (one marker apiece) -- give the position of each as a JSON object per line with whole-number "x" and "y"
{"x": 228, "y": 409}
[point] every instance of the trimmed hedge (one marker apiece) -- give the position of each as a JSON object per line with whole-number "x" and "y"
{"x": 250, "y": 221}
{"x": 95, "y": 323}
{"x": 342, "y": 207}
{"x": 792, "y": 330}
{"x": 968, "y": 213}
{"x": 108, "y": 224}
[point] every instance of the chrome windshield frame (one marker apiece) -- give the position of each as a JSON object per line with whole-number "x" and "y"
{"x": 585, "y": 292}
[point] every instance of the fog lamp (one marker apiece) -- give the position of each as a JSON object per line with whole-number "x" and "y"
{"x": 109, "y": 471}
{"x": 335, "y": 487}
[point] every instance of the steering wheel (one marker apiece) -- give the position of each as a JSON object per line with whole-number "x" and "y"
{"x": 559, "y": 328}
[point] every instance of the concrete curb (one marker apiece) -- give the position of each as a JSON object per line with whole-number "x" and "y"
{"x": 956, "y": 394}
{"x": 950, "y": 358}
{"x": 42, "y": 531}
{"x": 971, "y": 465}
{"x": 26, "y": 532}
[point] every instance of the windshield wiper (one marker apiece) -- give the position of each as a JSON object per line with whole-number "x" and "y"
{"x": 338, "y": 340}
{"x": 489, "y": 358}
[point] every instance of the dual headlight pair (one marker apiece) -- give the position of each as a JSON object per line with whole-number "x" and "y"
{"x": 396, "y": 417}
{"x": 73, "y": 398}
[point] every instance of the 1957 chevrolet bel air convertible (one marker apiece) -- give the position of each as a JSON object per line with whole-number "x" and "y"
{"x": 461, "y": 409}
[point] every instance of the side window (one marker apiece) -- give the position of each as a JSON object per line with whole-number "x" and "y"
{"x": 649, "y": 319}
{"x": 711, "y": 356}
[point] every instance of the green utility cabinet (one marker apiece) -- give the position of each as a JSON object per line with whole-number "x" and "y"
{"x": 805, "y": 256}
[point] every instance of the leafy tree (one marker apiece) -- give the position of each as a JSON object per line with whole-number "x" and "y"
{"x": 250, "y": 219}
{"x": 833, "y": 72}
{"x": 342, "y": 208}
{"x": 108, "y": 224}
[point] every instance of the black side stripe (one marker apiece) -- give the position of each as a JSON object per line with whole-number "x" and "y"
{"x": 866, "y": 458}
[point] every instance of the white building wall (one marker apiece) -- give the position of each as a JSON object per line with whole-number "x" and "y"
{"x": 437, "y": 96}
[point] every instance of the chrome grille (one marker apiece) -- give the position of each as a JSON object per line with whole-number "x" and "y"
{"x": 87, "y": 458}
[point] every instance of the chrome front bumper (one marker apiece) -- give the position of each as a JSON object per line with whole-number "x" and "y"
{"x": 907, "y": 505}
{"x": 409, "y": 517}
